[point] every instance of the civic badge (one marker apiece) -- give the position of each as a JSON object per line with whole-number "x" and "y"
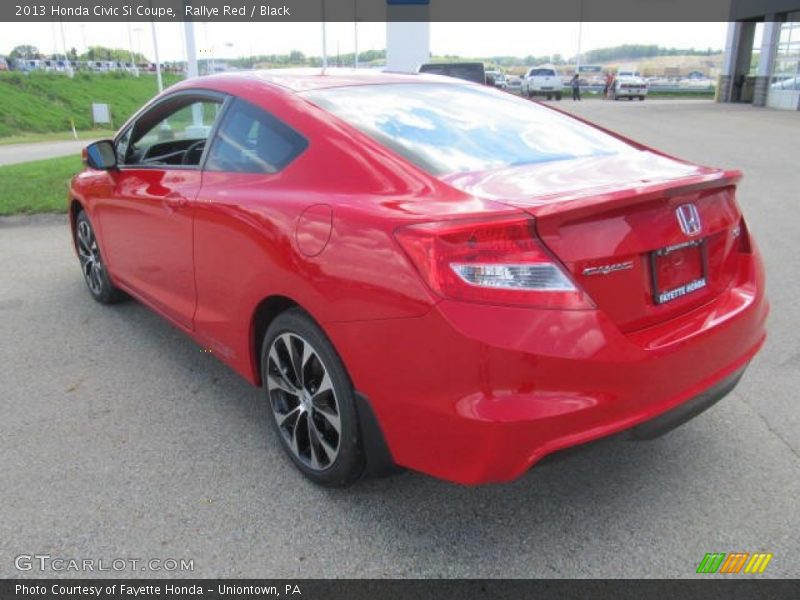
{"x": 689, "y": 219}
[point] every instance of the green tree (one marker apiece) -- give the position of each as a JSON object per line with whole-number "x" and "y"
{"x": 25, "y": 52}
{"x": 116, "y": 54}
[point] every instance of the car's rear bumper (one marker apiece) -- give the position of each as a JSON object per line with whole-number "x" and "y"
{"x": 476, "y": 394}
{"x": 631, "y": 92}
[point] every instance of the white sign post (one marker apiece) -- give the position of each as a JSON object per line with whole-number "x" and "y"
{"x": 101, "y": 113}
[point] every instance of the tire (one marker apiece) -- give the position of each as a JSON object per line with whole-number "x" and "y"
{"x": 641, "y": 98}
{"x": 310, "y": 395}
{"x": 549, "y": 97}
{"x": 94, "y": 271}
{"x": 558, "y": 97}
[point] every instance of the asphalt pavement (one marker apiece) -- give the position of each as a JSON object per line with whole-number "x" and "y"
{"x": 120, "y": 438}
{"x": 18, "y": 153}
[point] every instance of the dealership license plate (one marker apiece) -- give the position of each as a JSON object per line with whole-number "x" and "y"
{"x": 678, "y": 270}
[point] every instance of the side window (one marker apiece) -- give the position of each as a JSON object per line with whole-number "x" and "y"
{"x": 172, "y": 133}
{"x": 250, "y": 140}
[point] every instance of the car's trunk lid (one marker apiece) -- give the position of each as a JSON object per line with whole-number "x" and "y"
{"x": 613, "y": 222}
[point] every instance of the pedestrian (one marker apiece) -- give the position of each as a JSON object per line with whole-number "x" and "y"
{"x": 576, "y": 87}
{"x": 609, "y": 85}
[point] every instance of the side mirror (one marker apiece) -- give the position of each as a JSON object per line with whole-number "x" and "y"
{"x": 100, "y": 155}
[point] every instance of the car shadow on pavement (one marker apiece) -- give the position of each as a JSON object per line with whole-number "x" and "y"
{"x": 606, "y": 494}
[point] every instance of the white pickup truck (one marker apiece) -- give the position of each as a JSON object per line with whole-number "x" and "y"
{"x": 629, "y": 84}
{"x": 542, "y": 81}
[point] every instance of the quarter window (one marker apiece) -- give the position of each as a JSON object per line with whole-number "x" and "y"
{"x": 250, "y": 140}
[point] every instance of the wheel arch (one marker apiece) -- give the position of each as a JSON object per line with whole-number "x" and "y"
{"x": 379, "y": 459}
{"x": 75, "y": 208}
{"x": 263, "y": 315}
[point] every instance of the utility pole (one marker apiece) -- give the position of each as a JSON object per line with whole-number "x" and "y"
{"x": 324, "y": 39}
{"x": 580, "y": 35}
{"x": 191, "y": 68}
{"x": 130, "y": 50}
{"x": 67, "y": 63}
{"x": 211, "y": 66}
{"x": 159, "y": 81}
{"x": 355, "y": 33}
{"x": 158, "y": 61}
{"x": 191, "y": 50}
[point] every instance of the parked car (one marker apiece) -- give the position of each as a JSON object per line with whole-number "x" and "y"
{"x": 32, "y": 64}
{"x": 3, "y": 63}
{"x": 696, "y": 83}
{"x": 467, "y": 71}
{"x": 790, "y": 83}
{"x": 542, "y": 81}
{"x": 497, "y": 79}
{"x": 421, "y": 271}
{"x": 514, "y": 84}
{"x": 629, "y": 84}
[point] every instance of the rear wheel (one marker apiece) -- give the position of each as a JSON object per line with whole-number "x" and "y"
{"x": 92, "y": 266}
{"x": 558, "y": 96}
{"x": 312, "y": 401}
{"x": 641, "y": 98}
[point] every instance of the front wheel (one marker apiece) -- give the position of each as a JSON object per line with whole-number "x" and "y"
{"x": 92, "y": 266}
{"x": 312, "y": 401}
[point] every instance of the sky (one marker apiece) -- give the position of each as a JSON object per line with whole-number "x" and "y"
{"x": 230, "y": 40}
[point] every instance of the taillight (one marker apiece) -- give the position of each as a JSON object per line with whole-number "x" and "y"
{"x": 497, "y": 261}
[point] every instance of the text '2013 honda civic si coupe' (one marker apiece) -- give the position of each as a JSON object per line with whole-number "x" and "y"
{"x": 423, "y": 272}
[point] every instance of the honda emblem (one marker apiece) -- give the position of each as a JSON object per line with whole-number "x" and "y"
{"x": 689, "y": 219}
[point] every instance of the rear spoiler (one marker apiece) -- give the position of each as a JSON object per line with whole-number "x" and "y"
{"x": 587, "y": 201}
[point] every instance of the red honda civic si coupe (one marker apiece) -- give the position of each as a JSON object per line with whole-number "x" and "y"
{"x": 423, "y": 272}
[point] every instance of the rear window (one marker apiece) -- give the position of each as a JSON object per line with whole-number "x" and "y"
{"x": 543, "y": 73}
{"x": 452, "y": 128}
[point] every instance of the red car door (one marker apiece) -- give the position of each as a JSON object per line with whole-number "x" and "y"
{"x": 147, "y": 229}
{"x": 146, "y": 219}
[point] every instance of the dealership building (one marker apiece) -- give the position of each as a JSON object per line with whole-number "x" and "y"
{"x": 762, "y": 54}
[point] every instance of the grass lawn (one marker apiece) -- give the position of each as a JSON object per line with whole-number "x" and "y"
{"x": 47, "y": 102}
{"x": 37, "y": 187}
